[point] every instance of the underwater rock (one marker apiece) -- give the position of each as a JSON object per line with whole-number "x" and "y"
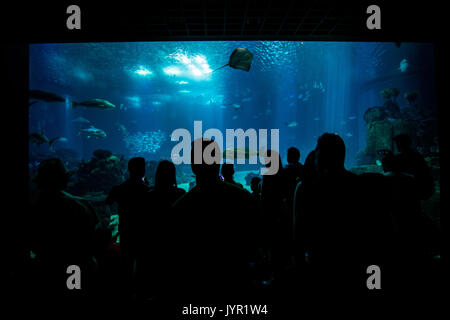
{"x": 391, "y": 109}
{"x": 374, "y": 114}
{"x": 369, "y": 168}
{"x": 400, "y": 126}
{"x": 102, "y": 154}
{"x": 379, "y": 136}
{"x": 411, "y": 97}
{"x": 363, "y": 158}
{"x": 390, "y": 94}
{"x": 103, "y": 171}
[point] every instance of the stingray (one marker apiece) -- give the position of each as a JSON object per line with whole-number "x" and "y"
{"x": 241, "y": 58}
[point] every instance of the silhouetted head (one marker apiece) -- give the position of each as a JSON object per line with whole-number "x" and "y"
{"x": 165, "y": 176}
{"x": 403, "y": 142}
{"x": 205, "y": 159}
{"x": 293, "y": 155}
{"x": 136, "y": 167}
{"x": 254, "y": 184}
{"x": 227, "y": 171}
{"x": 330, "y": 153}
{"x": 52, "y": 175}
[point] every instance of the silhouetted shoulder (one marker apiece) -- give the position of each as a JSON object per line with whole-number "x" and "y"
{"x": 224, "y": 190}
{"x": 234, "y": 187}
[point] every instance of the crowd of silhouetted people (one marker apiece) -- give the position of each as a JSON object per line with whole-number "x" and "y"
{"x": 308, "y": 227}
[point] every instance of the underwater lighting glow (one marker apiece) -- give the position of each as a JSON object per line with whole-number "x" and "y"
{"x": 172, "y": 71}
{"x": 193, "y": 67}
{"x": 206, "y": 68}
{"x": 182, "y": 57}
{"x": 200, "y": 59}
{"x": 195, "y": 71}
{"x": 184, "y": 91}
{"x": 143, "y": 71}
{"x": 82, "y": 75}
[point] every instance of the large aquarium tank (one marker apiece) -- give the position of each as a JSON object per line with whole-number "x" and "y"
{"x": 96, "y": 105}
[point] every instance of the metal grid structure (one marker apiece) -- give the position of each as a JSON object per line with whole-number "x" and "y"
{"x": 246, "y": 19}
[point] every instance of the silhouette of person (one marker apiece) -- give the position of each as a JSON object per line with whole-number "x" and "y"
{"x": 412, "y": 162}
{"x": 255, "y": 186}
{"x": 62, "y": 227}
{"x": 416, "y": 234}
{"x": 228, "y": 172}
{"x": 130, "y": 197}
{"x": 310, "y": 176}
{"x": 329, "y": 216}
{"x": 416, "y": 237}
{"x": 277, "y": 218}
{"x": 214, "y": 236}
{"x": 293, "y": 173}
{"x": 156, "y": 225}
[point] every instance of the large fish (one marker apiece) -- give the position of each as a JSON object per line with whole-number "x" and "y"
{"x": 94, "y": 103}
{"x": 123, "y": 130}
{"x": 93, "y": 132}
{"x": 45, "y": 96}
{"x": 81, "y": 120}
{"x": 39, "y": 138}
{"x": 241, "y": 58}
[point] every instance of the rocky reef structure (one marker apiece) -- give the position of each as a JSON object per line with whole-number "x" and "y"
{"x": 99, "y": 174}
{"x": 384, "y": 122}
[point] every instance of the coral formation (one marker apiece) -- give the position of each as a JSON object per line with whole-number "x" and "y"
{"x": 99, "y": 174}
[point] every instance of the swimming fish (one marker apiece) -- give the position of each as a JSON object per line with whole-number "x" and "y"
{"x": 236, "y": 106}
{"x": 351, "y": 118}
{"x": 81, "y": 120}
{"x": 241, "y": 58}
{"x": 94, "y": 103}
{"x": 45, "y": 96}
{"x": 316, "y": 119}
{"x": 123, "y": 130}
{"x": 291, "y": 124}
{"x": 348, "y": 134}
{"x": 39, "y": 138}
{"x": 62, "y": 139}
{"x": 403, "y": 65}
{"x": 93, "y": 132}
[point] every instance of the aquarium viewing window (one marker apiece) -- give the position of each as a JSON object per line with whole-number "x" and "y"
{"x": 129, "y": 97}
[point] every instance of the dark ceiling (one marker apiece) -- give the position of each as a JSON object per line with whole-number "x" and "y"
{"x": 269, "y": 18}
{"x": 221, "y": 19}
